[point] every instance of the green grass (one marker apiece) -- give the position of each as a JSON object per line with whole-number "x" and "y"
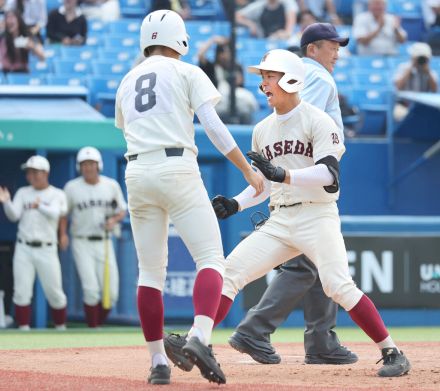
{"x": 132, "y": 336}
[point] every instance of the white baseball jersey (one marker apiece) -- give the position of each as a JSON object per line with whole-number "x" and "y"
{"x": 156, "y": 101}
{"x": 305, "y": 137}
{"x": 37, "y": 224}
{"x": 90, "y": 205}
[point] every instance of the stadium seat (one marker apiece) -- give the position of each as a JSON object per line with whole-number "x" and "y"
{"x": 206, "y": 9}
{"x": 370, "y": 62}
{"x": 53, "y": 4}
{"x": 125, "y": 26}
{"x": 121, "y": 41}
{"x": 342, "y": 77}
{"x": 71, "y": 67}
{"x": 103, "y": 93}
{"x": 128, "y": 54}
{"x": 200, "y": 30}
{"x": 95, "y": 39}
{"x": 66, "y": 80}
{"x": 26, "y": 79}
{"x": 78, "y": 52}
{"x": 134, "y": 8}
{"x": 375, "y": 105}
{"x": 95, "y": 26}
{"x": 37, "y": 67}
{"x": 372, "y": 78}
{"x": 344, "y": 64}
{"x": 110, "y": 67}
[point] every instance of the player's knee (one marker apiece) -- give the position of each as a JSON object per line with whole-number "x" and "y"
{"x": 341, "y": 292}
{"x": 153, "y": 278}
{"x": 91, "y": 297}
{"x": 229, "y": 289}
{"x": 216, "y": 263}
{"x": 57, "y": 302}
{"x": 21, "y": 299}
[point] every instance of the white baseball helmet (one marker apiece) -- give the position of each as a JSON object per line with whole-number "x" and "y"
{"x": 89, "y": 153}
{"x": 165, "y": 28}
{"x": 280, "y": 60}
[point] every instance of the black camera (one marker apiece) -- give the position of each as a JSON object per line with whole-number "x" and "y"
{"x": 422, "y": 60}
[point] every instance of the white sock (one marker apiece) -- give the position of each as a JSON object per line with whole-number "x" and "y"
{"x": 157, "y": 353}
{"x": 202, "y": 329}
{"x": 387, "y": 343}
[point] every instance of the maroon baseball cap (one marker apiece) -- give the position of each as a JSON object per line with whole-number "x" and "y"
{"x": 317, "y": 31}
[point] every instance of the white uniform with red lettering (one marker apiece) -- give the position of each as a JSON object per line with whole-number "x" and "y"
{"x": 89, "y": 206}
{"x": 36, "y": 251}
{"x": 155, "y": 106}
{"x": 296, "y": 140}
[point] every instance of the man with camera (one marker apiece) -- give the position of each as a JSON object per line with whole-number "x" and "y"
{"x": 415, "y": 75}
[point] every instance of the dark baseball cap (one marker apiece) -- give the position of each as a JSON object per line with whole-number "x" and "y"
{"x": 317, "y": 31}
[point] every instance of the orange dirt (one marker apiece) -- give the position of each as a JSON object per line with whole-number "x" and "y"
{"x": 126, "y": 368}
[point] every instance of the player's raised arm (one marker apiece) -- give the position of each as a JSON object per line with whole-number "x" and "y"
{"x": 225, "y": 143}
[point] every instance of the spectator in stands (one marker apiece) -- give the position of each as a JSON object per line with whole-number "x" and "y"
{"x": 34, "y": 13}
{"x": 67, "y": 24}
{"x": 16, "y": 44}
{"x": 415, "y": 75}
{"x": 219, "y": 73}
{"x": 305, "y": 18}
{"x": 324, "y": 10}
{"x": 105, "y": 10}
{"x": 376, "y": 31}
{"x": 273, "y": 19}
{"x": 2, "y": 16}
{"x": 179, "y": 6}
{"x": 217, "y": 70}
{"x": 431, "y": 13}
{"x": 246, "y": 105}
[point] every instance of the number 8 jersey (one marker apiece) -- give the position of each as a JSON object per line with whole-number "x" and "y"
{"x": 156, "y": 101}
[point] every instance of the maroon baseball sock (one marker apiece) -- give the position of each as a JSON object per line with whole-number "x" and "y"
{"x": 366, "y": 316}
{"x": 59, "y": 316}
{"x": 92, "y": 314}
{"x": 223, "y": 309}
{"x": 103, "y": 313}
{"x": 23, "y": 314}
{"x": 150, "y": 307}
{"x": 206, "y": 293}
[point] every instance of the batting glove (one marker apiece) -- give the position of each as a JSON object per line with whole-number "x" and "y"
{"x": 224, "y": 207}
{"x": 274, "y": 174}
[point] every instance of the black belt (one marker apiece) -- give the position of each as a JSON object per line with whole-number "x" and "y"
{"x": 272, "y": 208}
{"x": 35, "y": 243}
{"x": 92, "y": 238}
{"x": 168, "y": 151}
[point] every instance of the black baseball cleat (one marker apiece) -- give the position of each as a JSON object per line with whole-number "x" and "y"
{"x": 340, "y": 356}
{"x": 160, "y": 374}
{"x": 173, "y": 347}
{"x": 395, "y": 363}
{"x": 261, "y": 351}
{"x": 202, "y": 356}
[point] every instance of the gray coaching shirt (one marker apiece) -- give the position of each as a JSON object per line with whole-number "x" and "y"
{"x": 320, "y": 91}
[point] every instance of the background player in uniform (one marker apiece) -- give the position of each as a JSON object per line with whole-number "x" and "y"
{"x": 298, "y": 278}
{"x": 96, "y": 206}
{"x": 155, "y": 106}
{"x": 304, "y": 215}
{"x": 38, "y": 208}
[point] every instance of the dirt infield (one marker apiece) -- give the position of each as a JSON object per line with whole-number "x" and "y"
{"x": 126, "y": 369}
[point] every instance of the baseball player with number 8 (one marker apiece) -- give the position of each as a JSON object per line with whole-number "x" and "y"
{"x": 155, "y": 106}
{"x": 297, "y": 149}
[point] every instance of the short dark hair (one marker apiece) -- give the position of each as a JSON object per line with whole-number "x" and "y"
{"x": 304, "y": 48}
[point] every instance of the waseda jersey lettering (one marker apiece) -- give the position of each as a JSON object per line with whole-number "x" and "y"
{"x": 294, "y": 142}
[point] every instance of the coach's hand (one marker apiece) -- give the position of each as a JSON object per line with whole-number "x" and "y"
{"x": 224, "y": 207}
{"x": 274, "y": 174}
